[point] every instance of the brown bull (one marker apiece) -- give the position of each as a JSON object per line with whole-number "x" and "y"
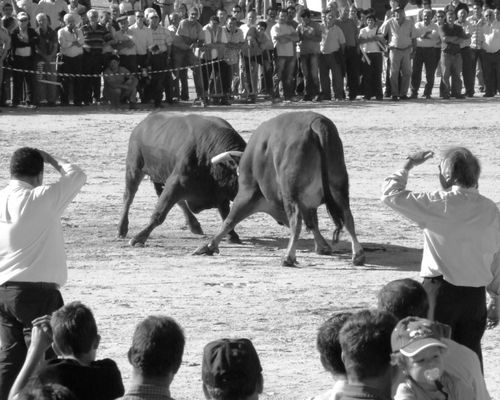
{"x": 293, "y": 163}
{"x": 176, "y": 152}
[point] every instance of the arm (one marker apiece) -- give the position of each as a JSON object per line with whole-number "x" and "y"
{"x": 41, "y": 339}
{"x": 494, "y": 291}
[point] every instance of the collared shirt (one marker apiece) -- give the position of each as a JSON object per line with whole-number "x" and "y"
{"x": 432, "y": 39}
{"x": 95, "y": 38}
{"x": 161, "y": 38}
{"x": 476, "y": 26}
{"x": 310, "y": 37}
{"x": 285, "y": 49}
{"x": 350, "y": 31}
{"x": 369, "y": 47}
{"x": 143, "y": 38}
{"x": 147, "y": 392}
{"x": 467, "y": 30}
{"x": 461, "y": 231}
{"x": 66, "y": 39}
{"x": 331, "y": 39}
{"x": 492, "y": 37}
{"x": 216, "y": 37}
{"x": 31, "y": 237}
{"x": 232, "y": 55}
{"x": 191, "y": 30}
{"x": 126, "y": 36}
{"x": 358, "y": 391}
{"x": 400, "y": 35}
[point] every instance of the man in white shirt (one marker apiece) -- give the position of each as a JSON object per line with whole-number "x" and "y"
{"x": 461, "y": 243}
{"x": 32, "y": 255}
{"x": 491, "y": 65}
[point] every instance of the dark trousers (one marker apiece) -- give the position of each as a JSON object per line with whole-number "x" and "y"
{"x": 352, "y": 70}
{"x": 23, "y": 80}
{"x": 21, "y": 303}
{"x": 477, "y": 65}
{"x": 310, "y": 69}
{"x": 158, "y": 62}
{"x": 468, "y": 72}
{"x": 93, "y": 62}
{"x": 129, "y": 62}
{"x": 428, "y": 56}
{"x": 72, "y": 65}
{"x": 226, "y": 73}
{"x": 284, "y": 74}
{"x": 462, "y": 308}
{"x": 372, "y": 76}
{"x": 491, "y": 69}
{"x": 331, "y": 62}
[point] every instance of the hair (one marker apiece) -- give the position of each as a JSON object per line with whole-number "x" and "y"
{"x": 214, "y": 18}
{"x": 48, "y": 391}
{"x": 440, "y": 12}
{"x": 371, "y": 16}
{"x": 262, "y": 24}
{"x": 291, "y": 8}
{"x": 74, "y": 329}
{"x": 328, "y": 345}
{"x": 157, "y": 346}
{"x": 91, "y": 12}
{"x": 404, "y": 298}
{"x": 464, "y": 166}
{"x": 305, "y": 13}
{"x": 26, "y": 162}
{"x": 365, "y": 340}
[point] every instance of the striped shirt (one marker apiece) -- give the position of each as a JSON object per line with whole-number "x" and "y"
{"x": 94, "y": 38}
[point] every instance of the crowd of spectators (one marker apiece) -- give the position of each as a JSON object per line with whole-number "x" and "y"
{"x": 145, "y": 49}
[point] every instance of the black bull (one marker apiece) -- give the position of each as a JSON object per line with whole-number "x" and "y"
{"x": 292, "y": 164}
{"x": 176, "y": 152}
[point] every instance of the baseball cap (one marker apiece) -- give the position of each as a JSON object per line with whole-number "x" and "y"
{"x": 230, "y": 364}
{"x": 412, "y": 335}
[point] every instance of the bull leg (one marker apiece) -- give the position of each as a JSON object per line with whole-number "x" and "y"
{"x": 295, "y": 223}
{"x": 170, "y": 195}
{"x": 244, "y": 204}
{"x": 191, "y": 221}
{"x": 321, "y": 245}
{"x": 223, "y": 208}
{"x": 133, "y": 178}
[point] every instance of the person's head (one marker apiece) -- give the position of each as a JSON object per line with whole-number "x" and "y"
{"x": 489, "y": 15}
{"x": 214, "y": 21}
{"x": 394, "y": 4}
{"x": 139, "y": 18}
{"x": 328, "y": 345}
{"x": 418, "y": 350}
{"x": 7, "y": 10}
{"x": 459, "y": 167}
{"x": 73, "y": 3}
{"x": 440, "y": 17}
{"x": 153, "y": 20}
{"x": 175, "y": 18}
{"x": 236, "y": 12}
{"x": 365, "y": 340}
{"x": 157, "y": 348}
{"x": 122, "y": 22}
{"x": 282, "y": 17}
{"x": 115, "y": 11}
{"x": 23, "y": 20}
{"x": 69, "y": 21}
{"x": 291, "y": 11}
{"x": 93, "y": 16}
{"x": 371, "y": 20}
{"x": 353, "y": 13}
{"x": 399, "y": 14}
{"x": 261, "y": 26}
{"x": 74, "y": 331}
{"x": 104, "y": 17}
{"x": 47, "y": 391}
{"x": 42, "y": 21}
{"x": 305, "y": 14}
{"x": 231, "y": 369}
{"x": 497, "y": 13}
{"x": 427, "y": 16}
{"x": 193, "y": 14}
{"x": 427, "y": 4}
{"x": 251, "y": 17}
{"x": 450, "y": 16}
{"x": 26, "y": 164}
{"x": 477, "y": 9}
{"x": 222, "y": 15}
{"x": 403, "y": 298}
{"x": 231, "y": 23}
{"x": 271, "y": 14}
{"x": 462, "y": 15}
{"x": 329, "y": 19}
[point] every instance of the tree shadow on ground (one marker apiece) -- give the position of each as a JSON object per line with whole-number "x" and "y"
{"x": 378, "y": 255}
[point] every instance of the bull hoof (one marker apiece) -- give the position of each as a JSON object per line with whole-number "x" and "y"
{"x": 136, "y": 243}
{"x": 358, "y": 258}
{"x": 233, "y": 238}
{"x": 196, "y": 229}
{"x": 206, "y": 250}
{"x": 121, "y": 236}
{"x": 289, "y": 262}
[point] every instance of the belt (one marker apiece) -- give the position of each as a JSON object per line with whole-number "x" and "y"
{"x": 26, "y": 285}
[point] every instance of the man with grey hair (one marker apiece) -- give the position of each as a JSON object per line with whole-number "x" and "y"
{"x": 45, "y": 57}
{"x": 461, "y": 255}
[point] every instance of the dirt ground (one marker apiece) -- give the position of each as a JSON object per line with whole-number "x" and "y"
{"x": 244, "y": 291}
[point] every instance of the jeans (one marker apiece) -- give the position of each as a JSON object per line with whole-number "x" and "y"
{"x": 352, "y": 70}
{"x": 331, "y": 62}
{"x": 310, "y": 69}
{"x": 491, "y": 68}
{"x": 23, "y": 80}
{"x": 428, "y": 56}
{"x": 467, "y": 70}
{"x": 184, "y": 58}
{"x": 21, "y": 303}
{"x": 93, "y": 63}
{"x": 400, "y": 64}
{"x": 284, "y": 74}
{"x": 72, "y": 65}
{"x": 451, "y": 66}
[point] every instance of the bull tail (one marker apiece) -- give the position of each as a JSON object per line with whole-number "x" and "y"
{"x": 334, "y": 208}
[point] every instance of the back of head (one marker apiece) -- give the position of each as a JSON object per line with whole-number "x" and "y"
{"x": 157, "y": 346}
{"x": 74, "y": 329}
{"x": 365, "y": 340}
{"x": 460, "y": 167}
{"x": 404, "y": 298}
{"x": 231, "y": 369}
{"x": 328, "y": 345}
{"x": 26, "y": 162}
{"x": 48, "y": 391}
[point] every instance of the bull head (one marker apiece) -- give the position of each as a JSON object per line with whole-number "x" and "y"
{"x": 229, "y": 158}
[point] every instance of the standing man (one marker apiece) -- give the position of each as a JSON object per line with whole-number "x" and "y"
{"x": 32, "y": 256}
{"x": 461, "y": 255}
{"x": 351, "y": 66}
{"x": 402, "y": 34}
{"x": 476, "y": 26}
{"x": 427, "y": 53}
{"x": 45, "y": 57}
{"x": 492, "y": 55}
{"x": 466, "y": 53}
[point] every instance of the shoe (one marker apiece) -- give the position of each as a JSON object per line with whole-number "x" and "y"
{"x": 387, "y": 94}
{"x": 445, "y": 97}
{"x": 459, "y": 97}
{"x": 224, "y": 102}
{"x": 367, "y": 98}
{"x": 470, "y": 95}
{"x": 317, "y": 98}
{"x": 481, "y": 89}
{"x": 405, "y": 97}
{"x": 414, "y": 96}
{"x": 307, "y": 98}
{"x": 488, "y": 95}
{"x": 132, "y": 106}
{"x": 379, "y": 98}
{"x": 428, "y": 97}
{"x": 395, "y": 98}
{"x": 158, "y": 105}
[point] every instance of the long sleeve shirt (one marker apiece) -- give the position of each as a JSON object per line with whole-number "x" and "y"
{"x": 461, "y": 231}
{"x": 66, "y": 41}
{"x": 31, "y": 237}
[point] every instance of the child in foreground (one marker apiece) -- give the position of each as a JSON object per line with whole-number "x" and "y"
{"x": 418, "y": 352}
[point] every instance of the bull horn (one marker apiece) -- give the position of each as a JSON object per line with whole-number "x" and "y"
{"x": 227, "y": 155}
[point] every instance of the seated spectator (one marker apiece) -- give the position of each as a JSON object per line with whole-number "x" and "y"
{"x": 405, "y": 298}
{"x": 120, "y": 88}
{"x": 72, "y": 331}
{"x": 231, "y": 370}
{"x": 418, "y": 352}
{"x": 365, "y": 340}
{"x": 328, "y": 345}
{"x": 155, "y": 355}
{"x": 49, "y": 391}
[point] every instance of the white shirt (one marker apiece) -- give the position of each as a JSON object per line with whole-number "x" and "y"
{"x": 66, "y": 39}
{"x": 283, "y": 49}
{"x": 31, "y": 238}
{"x": 492, "y": 37}
{"x": 143, "y": 38}
{"x": 367, "y": 33}
{"x": 331, "y": 39}
{"x": 461, "y": 231}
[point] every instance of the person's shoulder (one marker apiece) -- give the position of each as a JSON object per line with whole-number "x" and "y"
{"x": 105, "y": 363}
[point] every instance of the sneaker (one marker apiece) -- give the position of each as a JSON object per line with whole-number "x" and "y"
{"x": 395, "y": 98}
